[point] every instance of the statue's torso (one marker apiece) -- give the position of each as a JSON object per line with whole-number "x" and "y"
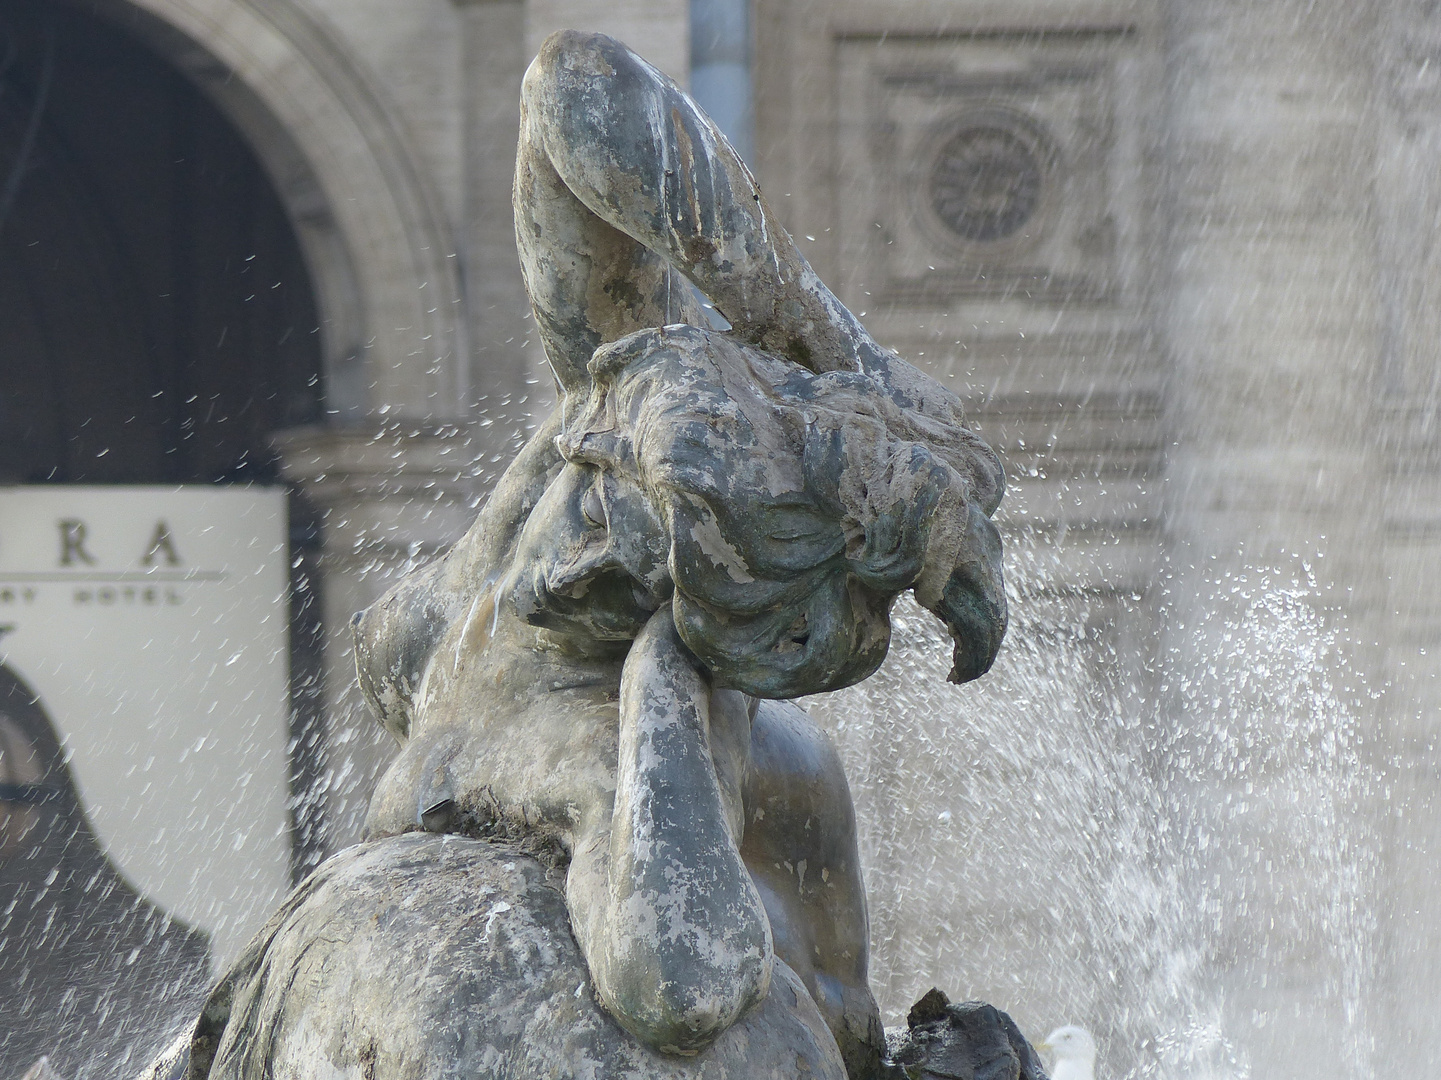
{"x": 520, "y": 733}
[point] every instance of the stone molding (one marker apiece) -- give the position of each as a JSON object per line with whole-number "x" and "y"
{"x": 392, "y": 492}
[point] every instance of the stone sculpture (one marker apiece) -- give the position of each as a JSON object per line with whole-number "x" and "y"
{"x": 610, "y": 844}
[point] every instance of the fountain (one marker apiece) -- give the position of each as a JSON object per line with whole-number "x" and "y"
{"x": 1093, "y": 806}
{"x": 611, "y": 843}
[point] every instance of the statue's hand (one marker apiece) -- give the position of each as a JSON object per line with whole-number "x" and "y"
{"x": 962, "y": 584}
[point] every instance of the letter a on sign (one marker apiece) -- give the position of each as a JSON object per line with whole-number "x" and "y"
{"x": 161, "y": 544}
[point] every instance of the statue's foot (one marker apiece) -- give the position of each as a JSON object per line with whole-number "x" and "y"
{"x": 969, "y": 1041}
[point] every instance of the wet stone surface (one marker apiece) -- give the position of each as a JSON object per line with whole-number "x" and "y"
{"x": 967, "y": 1041}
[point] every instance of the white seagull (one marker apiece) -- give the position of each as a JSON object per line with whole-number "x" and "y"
{"x": 1074, "y": 1051}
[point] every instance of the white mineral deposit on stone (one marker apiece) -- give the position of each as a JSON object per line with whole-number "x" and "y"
{"x": 1074, "y": 1052}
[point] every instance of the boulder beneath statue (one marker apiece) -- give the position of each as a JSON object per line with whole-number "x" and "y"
{"x": 429, "y": 956}
{"x": 969, "y": 1041}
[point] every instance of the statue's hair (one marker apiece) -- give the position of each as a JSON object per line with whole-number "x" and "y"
{"x": 798, "y": 505}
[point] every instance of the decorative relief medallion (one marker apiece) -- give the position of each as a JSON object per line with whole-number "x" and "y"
{"x": 985, "y": 182}
{"x": 994, "y": 166}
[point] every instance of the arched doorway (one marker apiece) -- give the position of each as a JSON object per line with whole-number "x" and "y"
{"x": 156, "y": 318}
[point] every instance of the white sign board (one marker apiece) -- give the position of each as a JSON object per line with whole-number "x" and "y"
{"x": 152, "y": 623}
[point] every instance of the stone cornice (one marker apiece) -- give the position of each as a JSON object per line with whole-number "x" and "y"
{"x": 388, "y": 492}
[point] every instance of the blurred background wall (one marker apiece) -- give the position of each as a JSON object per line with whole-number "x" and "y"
{"x": 1178, "y": 256}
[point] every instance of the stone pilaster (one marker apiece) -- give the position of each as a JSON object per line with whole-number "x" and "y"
{"x": 1274, "y": 327}
{"x": 510, "y": 384}
{"x": 389, "y": 497}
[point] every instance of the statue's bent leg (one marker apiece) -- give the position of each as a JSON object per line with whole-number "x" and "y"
{"x": 638, "y": 153}
{"x": 671, "y": 925}
{"x": 801, "y": 849}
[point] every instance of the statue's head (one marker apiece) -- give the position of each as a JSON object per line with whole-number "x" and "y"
{"x": 778, "y": 511}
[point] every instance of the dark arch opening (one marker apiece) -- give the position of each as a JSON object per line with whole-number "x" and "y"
{"x": 92, "y": 975}
{"x": 156, "y": 318}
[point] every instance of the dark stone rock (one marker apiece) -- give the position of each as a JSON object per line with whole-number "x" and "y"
{"x": 969, "y": 1041}
{"x": 930, "y": 1008}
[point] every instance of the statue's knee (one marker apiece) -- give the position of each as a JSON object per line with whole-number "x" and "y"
{"x": 575, "y": 67}
{"x": 677, "y": 1029}
{"x": 576, "y": 48}
{"x": 673, "y": 998}
{"x": 566, "y": 54}
{"x": 686, "y": 1016}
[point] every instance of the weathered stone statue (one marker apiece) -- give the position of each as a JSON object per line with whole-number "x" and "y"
{"x": 611, "y": 846}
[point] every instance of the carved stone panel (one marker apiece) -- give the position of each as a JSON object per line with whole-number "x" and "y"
{"x": 985, "y": 165}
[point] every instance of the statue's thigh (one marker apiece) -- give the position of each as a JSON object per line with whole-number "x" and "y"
{"x": 800, "y": 840}
{"x": 800, "y": 848}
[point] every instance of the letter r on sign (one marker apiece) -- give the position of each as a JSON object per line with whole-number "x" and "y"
{"x": 72, "y": 543}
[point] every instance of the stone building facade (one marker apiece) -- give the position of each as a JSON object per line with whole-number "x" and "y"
{"x": 1177, "y": 255}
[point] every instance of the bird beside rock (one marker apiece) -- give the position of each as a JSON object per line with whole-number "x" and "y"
{"x": 1073, "y": 1051}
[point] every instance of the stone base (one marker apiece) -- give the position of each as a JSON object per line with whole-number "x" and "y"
{"x": 425, "y": 956}
{"x": 429, "y": 957}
